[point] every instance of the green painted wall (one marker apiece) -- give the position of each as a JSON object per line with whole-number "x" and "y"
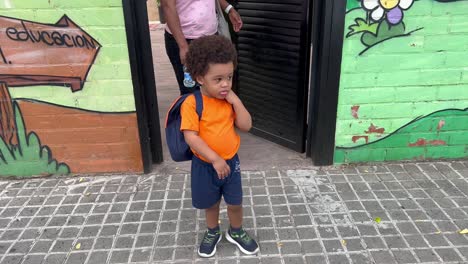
{"x": 404, "y": 81}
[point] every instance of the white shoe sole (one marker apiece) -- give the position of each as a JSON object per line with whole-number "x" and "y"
{"x": 203, "y": 255}
{"x": 230, "y": 239}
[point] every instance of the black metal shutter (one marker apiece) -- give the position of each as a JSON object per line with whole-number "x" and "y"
{"x": 274, "y": 47}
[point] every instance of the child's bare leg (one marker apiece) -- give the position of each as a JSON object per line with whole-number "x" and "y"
{"x": 212, "y": 235}
{"x": 237, "y": 235}
{"x": 212, "y": 216}
{"x": 235, "y": 215}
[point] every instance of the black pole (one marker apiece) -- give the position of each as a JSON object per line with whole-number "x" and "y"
{"x": 328, "y": 37}
{"x": 149, "y": 82}
{"x": 139, "y": 46}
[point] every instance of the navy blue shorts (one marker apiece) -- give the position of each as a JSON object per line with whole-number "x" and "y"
{"x": 207, "y": 188}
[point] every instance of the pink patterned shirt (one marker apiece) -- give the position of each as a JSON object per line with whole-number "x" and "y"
{"x": 197, "y": 18}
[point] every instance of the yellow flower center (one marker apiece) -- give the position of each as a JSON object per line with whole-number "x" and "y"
{"x": 389, "y": 4}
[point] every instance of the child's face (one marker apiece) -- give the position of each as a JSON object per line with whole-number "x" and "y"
{"x": 217, "y": 82}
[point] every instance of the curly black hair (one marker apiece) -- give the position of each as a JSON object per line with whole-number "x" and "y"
{"x": 206, "y": 50}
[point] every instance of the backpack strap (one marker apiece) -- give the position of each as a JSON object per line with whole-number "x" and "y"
{"x": 199, "y": 103}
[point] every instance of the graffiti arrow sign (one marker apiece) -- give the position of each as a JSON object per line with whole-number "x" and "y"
{"x": 45, "y": 54}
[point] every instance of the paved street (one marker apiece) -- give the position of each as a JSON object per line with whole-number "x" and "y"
{"x": 409, "y": 213}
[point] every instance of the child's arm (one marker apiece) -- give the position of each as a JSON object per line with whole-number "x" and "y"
{"x": 199, "y": 145}
{"x": 243, "y": 118}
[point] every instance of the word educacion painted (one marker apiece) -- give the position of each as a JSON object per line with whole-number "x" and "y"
{"x": 51, "y": 38}
{"x": 45, "y": 54}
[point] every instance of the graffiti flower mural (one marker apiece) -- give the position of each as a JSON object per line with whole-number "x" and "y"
{"x": 392, "y": 10}
{"x": 384, "y": 21}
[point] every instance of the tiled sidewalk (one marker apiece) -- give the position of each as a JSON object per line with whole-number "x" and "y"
{"x": 409, "y": 213}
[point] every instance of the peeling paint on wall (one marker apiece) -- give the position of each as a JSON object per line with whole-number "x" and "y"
{"x": 404, "y": 77}
{"x": 423, "y": 142}
{"x": 354, "y": 111}
{"x": 375, "y": 130}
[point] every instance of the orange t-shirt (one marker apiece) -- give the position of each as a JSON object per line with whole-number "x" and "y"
{"x": 216, "y": 126}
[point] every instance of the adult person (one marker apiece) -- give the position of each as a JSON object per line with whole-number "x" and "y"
{"x": 188, "y": 20}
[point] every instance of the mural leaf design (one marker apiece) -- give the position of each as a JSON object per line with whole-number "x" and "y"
{"x": 361, "y": 26}
{"x": 28, "y": 157}
{"x": 6, "y": 153}
{"x": 384, "y": 32}
{"x": 21, "y": 132}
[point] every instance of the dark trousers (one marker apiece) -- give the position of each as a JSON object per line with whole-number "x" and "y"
{"x": 172, "y": 50}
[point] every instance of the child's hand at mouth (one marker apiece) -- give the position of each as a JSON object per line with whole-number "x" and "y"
{"x": 231, "y": 97}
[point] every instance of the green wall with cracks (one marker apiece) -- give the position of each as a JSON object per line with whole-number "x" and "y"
{"x": 404, "y": 81}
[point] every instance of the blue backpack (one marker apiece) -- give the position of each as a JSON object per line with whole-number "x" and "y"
{"x": 179, "y": 149}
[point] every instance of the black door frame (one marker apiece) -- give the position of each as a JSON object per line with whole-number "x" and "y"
{"x": 144, "y": 84}
{"x": 328, "y": 35}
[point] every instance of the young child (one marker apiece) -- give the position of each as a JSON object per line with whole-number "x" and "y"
{"x": 213, "y": 140}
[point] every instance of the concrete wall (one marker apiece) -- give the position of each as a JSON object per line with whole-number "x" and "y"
{"x": 404, "y": 81}
{"x": 66, "y": 92}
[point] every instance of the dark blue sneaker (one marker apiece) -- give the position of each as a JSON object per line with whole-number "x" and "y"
{"x": 208, "y": 245}
{"x": 243, "y": 241}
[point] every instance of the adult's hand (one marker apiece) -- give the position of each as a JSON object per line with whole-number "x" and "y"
{"x": 236, "y": 20}
{"x": 183, "y": 53}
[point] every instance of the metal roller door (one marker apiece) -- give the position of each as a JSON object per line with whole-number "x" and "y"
{"x": 274, "y": 52}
